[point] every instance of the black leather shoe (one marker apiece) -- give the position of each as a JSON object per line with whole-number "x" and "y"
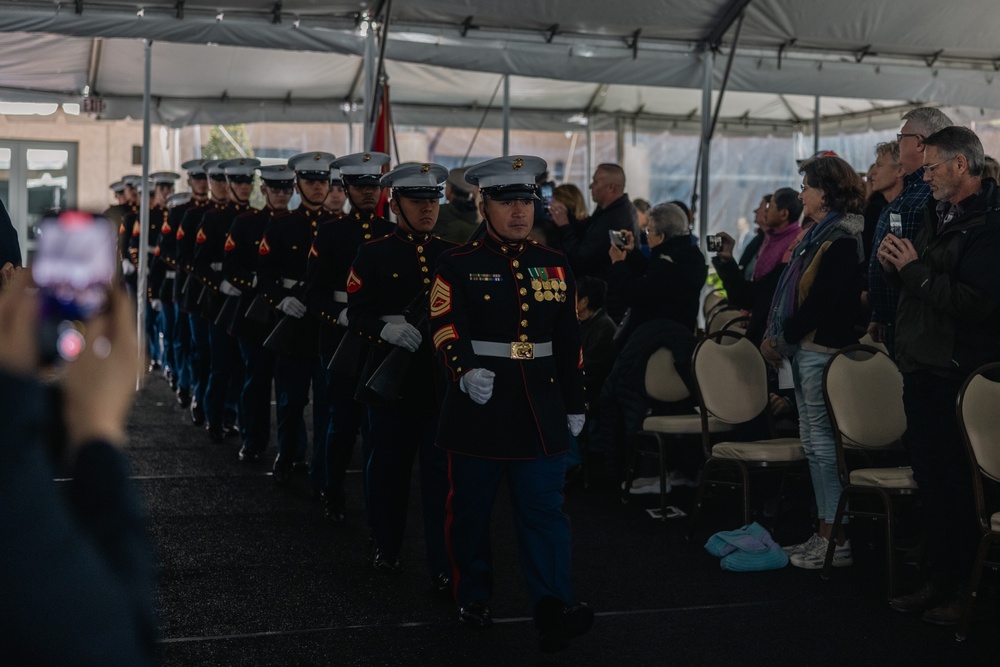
{"x": 280, "y": 474}
{"x": 229, "y": 430}
{"x": 475, "y": 615}
{"x": 183, "y": 397}
{"x": 300, "y": 466}
{"x": 197, "y": 414}
{"x": 441, "y": 584}
{"x": 922, "y": 599}
{"x": 948, "y": 612}
{"x": 558, "y": 622}
{"x": 248, "y": 456}
{"x": 385, "y": 563}
{"x": 214, "y": 433}
{"x": 155, "y": 366}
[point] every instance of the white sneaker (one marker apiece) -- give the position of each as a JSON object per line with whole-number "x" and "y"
{"x": 815, "y": 560}
{"x": 798, "y": 549}
{"x": 647, "y": 485}
{"x": 677, "y": 478}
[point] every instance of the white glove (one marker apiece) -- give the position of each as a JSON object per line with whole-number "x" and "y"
{"x": 575, "y": 423}
{"x": 478, "y": 384}
{"x": 128, "y": 268}
{"x": 342, "y": 318}
{"x": 156, "y": 304}
{"x": 403, "y": 335}
{"x": 228, "y": 289}
{"x": 292, "y": 306}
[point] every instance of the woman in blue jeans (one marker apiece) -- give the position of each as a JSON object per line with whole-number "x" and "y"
{"x": 812, "y": 316}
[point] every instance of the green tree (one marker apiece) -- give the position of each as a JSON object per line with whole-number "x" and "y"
{"x": 219, "y": 147}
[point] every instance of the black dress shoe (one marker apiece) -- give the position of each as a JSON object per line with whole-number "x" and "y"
{"x": 248, "y": 456}
{"x": 184, "y": 397}
{"x": 300, "y": 466}
{"x": 475, "y": 615}
{"x": 922, "y": 599}
{"x": 197, "y": 414}
{"x": 558, "y": 622}
{"x": 230, "y": 430}
{"x": 949, "y": 612}
{"x": 214, "y": 433}
{"x": 386, "y": 563}
{"x": 279, "y": 474}
{"x": 154, "y": 366}
{"x": 441, "y": 584}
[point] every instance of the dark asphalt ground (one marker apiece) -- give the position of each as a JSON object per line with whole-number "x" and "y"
{"x": 250, "y": 574}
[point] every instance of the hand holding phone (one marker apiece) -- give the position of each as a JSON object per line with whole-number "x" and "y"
{"x": 617, "y": 238}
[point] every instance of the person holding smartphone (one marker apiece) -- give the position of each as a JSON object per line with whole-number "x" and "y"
{"x": 76, "y": 567}
{"x": 668, "y": 284}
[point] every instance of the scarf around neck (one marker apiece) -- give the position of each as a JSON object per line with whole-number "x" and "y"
{"x": 773, "y": 249}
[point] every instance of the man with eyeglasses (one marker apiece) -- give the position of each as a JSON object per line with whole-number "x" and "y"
{"x": 947, "y": 325}
{"x": 902, "y": 214}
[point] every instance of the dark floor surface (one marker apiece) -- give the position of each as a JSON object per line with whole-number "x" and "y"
{"x": 250, "y": 574}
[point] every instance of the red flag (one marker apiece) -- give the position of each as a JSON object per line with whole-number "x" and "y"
{"x": 380, "y": 141}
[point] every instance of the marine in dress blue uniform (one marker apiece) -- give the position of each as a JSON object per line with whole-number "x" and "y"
{"x": 130, "y": 215}
{"x": 333, "y": 251}
{"x": 503, "y": 322}
{"x": 240, "y": 270}
{"x": 167, "y": 273}
{"x": 389, "y": 277}
{"x": 226, "y": 375}
{"x": 156, "y": 321}
{"x": 186, "y": 237}
{"x": 283, "y": 254}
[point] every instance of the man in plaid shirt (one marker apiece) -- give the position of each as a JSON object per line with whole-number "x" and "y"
{"x": 904, "y": 213}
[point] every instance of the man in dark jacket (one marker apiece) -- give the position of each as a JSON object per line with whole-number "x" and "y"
{"x": 669, "y": 283}
{"x": 947, "y": 325}
{"x": 586, "y": 242}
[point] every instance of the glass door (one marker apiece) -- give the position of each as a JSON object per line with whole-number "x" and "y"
{"x": 36, "y": 176}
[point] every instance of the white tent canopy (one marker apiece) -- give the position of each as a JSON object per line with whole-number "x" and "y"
{"x": 641, "y": 62}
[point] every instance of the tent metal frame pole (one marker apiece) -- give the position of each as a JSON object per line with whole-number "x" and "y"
{"x": 369, "y": 77}
{"x": 589, "y": 160}
{"x": 506, "y": 115}
{"x": 816, "y": 127}
{"x": 141, "y": 277}
{"x": 706, "y": 143}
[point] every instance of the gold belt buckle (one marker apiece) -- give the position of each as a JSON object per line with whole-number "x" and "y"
{"x": 519, "y": 350}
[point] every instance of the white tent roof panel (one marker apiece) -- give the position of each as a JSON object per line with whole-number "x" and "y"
{"x": 850, "y": 49}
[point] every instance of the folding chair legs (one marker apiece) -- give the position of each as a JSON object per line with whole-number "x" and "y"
{"x": 970, "y": 600}
{"x": 633, "y": 454}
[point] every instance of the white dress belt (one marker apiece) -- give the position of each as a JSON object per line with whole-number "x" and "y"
{"x": 394, "y": 319}
{"x": 170, "y": 274}
{"x": 288, "y": 283}
{"x": 340, "y": 297}
{"x": 486, "y": 348}
{"x": 215, "y": 266}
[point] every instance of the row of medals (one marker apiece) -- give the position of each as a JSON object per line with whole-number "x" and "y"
{"x": 549, "y": 290}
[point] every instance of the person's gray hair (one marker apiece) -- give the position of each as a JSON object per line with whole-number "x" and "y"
{"x": 927, "y": 120}
{"x": 957, "y": 140}
{"x": 669, "y": 220}
{"x": 890, "y": 148}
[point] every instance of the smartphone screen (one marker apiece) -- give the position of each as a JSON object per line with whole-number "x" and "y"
{"x": 546, "y": 192}
{"x": 73, "y": 267}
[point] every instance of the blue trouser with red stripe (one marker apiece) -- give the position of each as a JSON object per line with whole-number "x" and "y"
{"x": 543, "y": 530}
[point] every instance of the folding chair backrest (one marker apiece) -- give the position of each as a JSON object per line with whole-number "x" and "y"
{"x": 864, "y": 393}
{"x": 980, "y": 420}
{"x": 663, "y": 382}
{"x": 712, "y": 300}
{"x": 869, "y": 341}
{"x": 721, "y": 318}
{"x": 731, "y": 377}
